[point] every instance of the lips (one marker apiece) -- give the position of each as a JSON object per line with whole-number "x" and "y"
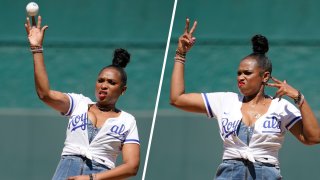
{"x": 240, "y": 83}
{"x": 102, "y": 95}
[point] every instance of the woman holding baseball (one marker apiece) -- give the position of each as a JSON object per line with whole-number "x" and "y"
{"x": 252, "y": 124}
{"x": 97, "y": 132}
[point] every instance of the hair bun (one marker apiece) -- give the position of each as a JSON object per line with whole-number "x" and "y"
{"x": 121, "y": 58}
{"x": 260, "y": 44}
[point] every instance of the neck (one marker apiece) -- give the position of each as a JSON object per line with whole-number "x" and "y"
{"x": 256, "y": 98}
{"x": 106, "y": 108}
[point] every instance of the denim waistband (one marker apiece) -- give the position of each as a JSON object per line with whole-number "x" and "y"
{"x": 86, "y": 160}
{"x": 247, "y": 162}
{"x": 78, "y": 156}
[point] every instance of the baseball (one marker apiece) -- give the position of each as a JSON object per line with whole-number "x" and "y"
{"x": 32, "y": 9}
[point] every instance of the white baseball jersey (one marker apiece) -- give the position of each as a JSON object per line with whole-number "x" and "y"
{"x": 269, "y": 129}
{"x": 107, "y": 144}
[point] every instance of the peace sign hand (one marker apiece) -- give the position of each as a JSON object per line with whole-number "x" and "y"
{"x": 186, "y": 40}
{"x": 283, "y": 89}
{"x": 35, "y": 32}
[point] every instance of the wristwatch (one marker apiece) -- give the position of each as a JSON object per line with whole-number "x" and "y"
{"x": 298, "y": 98}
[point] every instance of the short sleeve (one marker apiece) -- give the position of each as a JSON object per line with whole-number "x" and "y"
{"x": 208, "y": 104}
{"x": 216, "y": 102}
{"x": 291, "y": 115}
{"x": 74, "y": 100}
{"x": 132, "y": 136}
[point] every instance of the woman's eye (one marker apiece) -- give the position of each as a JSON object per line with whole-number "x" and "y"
{"x": 111, "y": 82}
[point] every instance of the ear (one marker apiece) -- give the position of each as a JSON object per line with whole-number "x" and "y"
{"x": 124, "y": 88}
{"x": 266, "y": 76}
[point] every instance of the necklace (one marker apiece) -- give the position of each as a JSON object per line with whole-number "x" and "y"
{"x": 257, "y": 115}
{"x": 253, "y": 109}
{"x": 106, "y": 109}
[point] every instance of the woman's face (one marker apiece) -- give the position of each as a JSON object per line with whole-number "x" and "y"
{"x": 250, "y": 78}
{"x": 109, "y": 86}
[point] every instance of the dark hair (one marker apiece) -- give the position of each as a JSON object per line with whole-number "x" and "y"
{"x": 121, "y": 58}
{"x": 260, "y": 47}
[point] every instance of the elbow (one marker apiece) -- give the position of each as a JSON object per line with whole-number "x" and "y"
{"x": 312, "y": 140}
{"x": 175, "y": 104}
{"x": 174, "y": 101}
{"x": 133, "y": 169}
{"x": 178, "y": 99}
{"x": 133, "y": 172}
{"x": 43, "y": 95}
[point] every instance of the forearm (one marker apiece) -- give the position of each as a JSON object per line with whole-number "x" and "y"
{"x": 40, "y": 76}
{"x": 310, "y": 127}
{"x": 177, "y": 82}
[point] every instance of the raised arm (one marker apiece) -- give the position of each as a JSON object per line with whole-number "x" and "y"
{"x": 186, "y": 101}
{"x": 307, "y": 130}
{"x": 57, "y": 100}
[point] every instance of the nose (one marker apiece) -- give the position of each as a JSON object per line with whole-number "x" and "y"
{"x": 240, "y": 77}
{"x": 104, "y": 85}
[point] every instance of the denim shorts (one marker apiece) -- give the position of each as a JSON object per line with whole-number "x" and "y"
{"x": 75, "y": 165}
{"x": 239, "y": 169}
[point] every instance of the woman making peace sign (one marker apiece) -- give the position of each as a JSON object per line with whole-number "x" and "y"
{"x": 252, "y": 124}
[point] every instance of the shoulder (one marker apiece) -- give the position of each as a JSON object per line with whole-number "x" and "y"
{"x": 79, "y": 97}
{"x": 284, "y": 106}
{"x": 126, "y": 120}
{"x": 222, "y": 95}
{"x": 282, "y": 102}
{"x": 127, "y": 115}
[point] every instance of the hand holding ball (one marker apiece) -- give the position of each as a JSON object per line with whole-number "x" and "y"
{"x": 32, "y": 9}
{"x": 34, "y": 29}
